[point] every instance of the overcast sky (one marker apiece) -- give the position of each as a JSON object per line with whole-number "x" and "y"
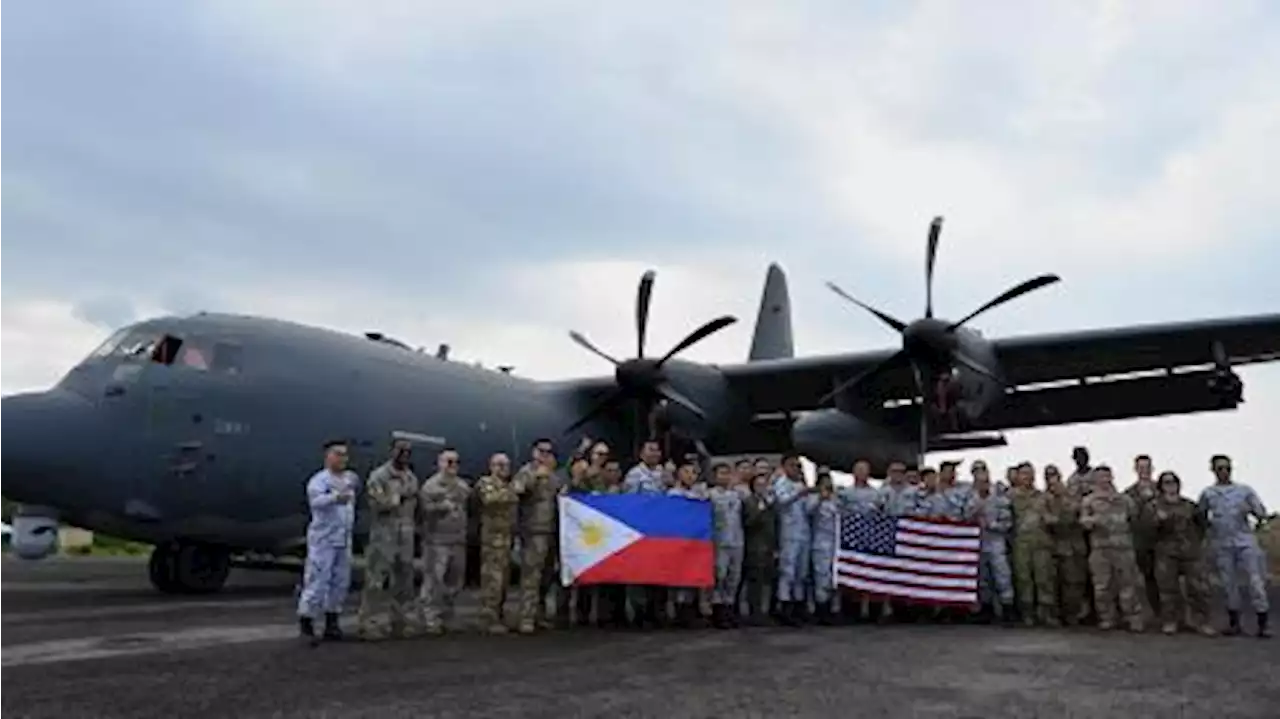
{"x": 492, "y": 176}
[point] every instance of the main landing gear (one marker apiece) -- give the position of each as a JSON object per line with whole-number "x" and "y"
{"x": 188, "y": 568}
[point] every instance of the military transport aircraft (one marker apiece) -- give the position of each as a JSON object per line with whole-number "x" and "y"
{"x": 196, "y": 433}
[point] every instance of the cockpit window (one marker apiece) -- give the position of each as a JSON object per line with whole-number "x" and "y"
{"x": 110, "y": 344}
{"x": 227, "y": 357}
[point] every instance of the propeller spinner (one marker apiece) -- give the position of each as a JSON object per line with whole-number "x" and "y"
{"x": 930, "y": 342}
{"x": 643, "y": 378}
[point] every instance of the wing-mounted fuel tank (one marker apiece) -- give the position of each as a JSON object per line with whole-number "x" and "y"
{"x": 838, "y": 440}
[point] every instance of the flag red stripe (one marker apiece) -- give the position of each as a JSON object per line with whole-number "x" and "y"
{"x": 943, "y": 573}
{"x": 853, "y": 572}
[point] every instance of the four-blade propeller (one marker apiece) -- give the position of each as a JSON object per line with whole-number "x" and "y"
{"x": 643, "y": 378}
{"x": 930, "y": 343}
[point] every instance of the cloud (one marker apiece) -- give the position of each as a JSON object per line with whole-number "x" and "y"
{"x": 493, "y": 176}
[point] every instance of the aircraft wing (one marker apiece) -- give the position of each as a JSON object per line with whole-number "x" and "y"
{"x": 1175, "y": 356}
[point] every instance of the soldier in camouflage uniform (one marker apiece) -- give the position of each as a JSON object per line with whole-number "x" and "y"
{"x": 1034, "y": 571}
{"x": 1235, "y": 546}
{"x": 1070, "y": 549}
{"x": 392, "y": 493}
{"x": 861, "y": 498}
{"x": 1080, "y": 483}
{"x": 1143, "y": 492}
{"x": 726, "y": 504}
{"x": 1108, "y": 515}
{"x": 995, "y": 578}
{"x": 538, "y": 488}
{"x": 498, "y": 506}
{"x": 1179, "y": 538}
{"x": 611, "y": 607}
{"x": 760, "y": 560}
{"x": 442, "y": 502}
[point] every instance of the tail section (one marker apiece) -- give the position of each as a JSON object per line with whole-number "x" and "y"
{"x": 772, "y": 339}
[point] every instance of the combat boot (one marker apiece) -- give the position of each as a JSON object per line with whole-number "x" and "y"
{"x": 1263, "y": 632}
{"x": 1233, "y": 624}
{"x": 1007, "y": 615}
{"x": 823, "y": 612}
{"x": 332, "y": 630}
{"x": 307, "y": 630}
{"x": 787, "y": 614}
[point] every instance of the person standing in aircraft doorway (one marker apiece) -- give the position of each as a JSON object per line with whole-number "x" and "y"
{"x": 327, "y": 576}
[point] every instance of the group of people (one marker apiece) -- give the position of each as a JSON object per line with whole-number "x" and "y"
{"x": 1147, "y": 551}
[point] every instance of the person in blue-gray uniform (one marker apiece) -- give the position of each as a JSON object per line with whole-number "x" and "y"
{"x": 327, "y": 576}
{"x": 824, "y": 516}
{"x": 1233, "y": 543}
{"x": 789, "y": 491}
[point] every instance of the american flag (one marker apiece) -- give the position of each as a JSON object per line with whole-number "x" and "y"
{"x": 924, "y": 560}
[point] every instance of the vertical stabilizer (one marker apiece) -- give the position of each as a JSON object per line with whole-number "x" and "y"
{"x": 772, "y": 338}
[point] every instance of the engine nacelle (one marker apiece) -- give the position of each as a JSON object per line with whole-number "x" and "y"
{"x": 837, "y": 439}
{"x": 35, "y": 536}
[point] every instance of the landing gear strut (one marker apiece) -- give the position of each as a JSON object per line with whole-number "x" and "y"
{"x": 188, "y": 568}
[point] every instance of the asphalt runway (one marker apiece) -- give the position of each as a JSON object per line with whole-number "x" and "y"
{"x": 88, "y": 638}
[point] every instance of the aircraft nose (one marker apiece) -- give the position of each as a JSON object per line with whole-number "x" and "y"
{"x": 46, "y": 432}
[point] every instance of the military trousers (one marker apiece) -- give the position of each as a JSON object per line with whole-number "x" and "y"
{"x": 823, "y": 557}
{"x": 533, "y": 564}
{"x": 728, "y": 575}
{"x": 1116, "y": 581}
{"x": 444, "y": 571}
{"x": 1248, "y": 559}
{"x": 1073, "y": 584}
{"x": 1035, "y": 578}
{"x": 793, "y": 570}
{"x": 495, "y": 574}
{"x": 1150, "y": 594}
{"x": 388, "y": 586}
{"x": 326, "y": 580}
{"x": 995, "y": 576}
{"x": 759, "y": 576}
{"x": 1191, "y": 594}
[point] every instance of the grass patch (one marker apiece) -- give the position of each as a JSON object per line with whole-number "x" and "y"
{"x": 104, "y": 546}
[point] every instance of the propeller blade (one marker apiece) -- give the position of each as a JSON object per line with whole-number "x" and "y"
{"x": 931, "y": 256}
{"x": 1030, "y": 285}
{"x": 890, "y": 320}
{"x": 924, "y": 413}
{"x": 644, "y": 295}
{"x": 585, "y": 343}
{"x": 976, "y": 366}
{"x": 863, "y": 376}
{"x": 671, "y": 394}
{"x": 1220, "y": 357}
{"x": 607, "y": 403}
{"x": 698, "y": 335}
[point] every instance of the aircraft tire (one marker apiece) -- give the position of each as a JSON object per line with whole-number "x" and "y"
{"x": 161, "y": 569}
{"x": 200, "y": 568}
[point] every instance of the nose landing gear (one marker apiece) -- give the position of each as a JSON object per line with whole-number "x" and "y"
{"x": 188, "y": 568}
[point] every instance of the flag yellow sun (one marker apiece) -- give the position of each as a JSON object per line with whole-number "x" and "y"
{"x": 592, "y": 534}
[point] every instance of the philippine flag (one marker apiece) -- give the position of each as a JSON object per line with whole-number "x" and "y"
{"x": 635, "y": 539}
